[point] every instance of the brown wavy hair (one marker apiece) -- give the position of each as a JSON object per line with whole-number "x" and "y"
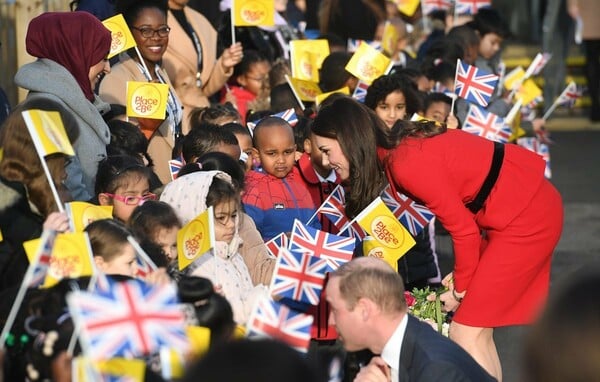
{"x": 20, "y": 161}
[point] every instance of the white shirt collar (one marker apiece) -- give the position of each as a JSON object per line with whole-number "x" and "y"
{"x": 330, "y": 178}
{"x": 391, "y": 350}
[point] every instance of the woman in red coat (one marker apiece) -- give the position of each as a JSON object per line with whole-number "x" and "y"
{"x": 504, "y": 217}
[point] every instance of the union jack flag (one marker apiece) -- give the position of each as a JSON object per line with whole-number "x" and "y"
{"x": 413, "y": 216}
{"x": 473, "y": 84}
{"x": 277, "y": 243}
{"x": 486, "y": 124}
{"x": 299, "y": 277}
{"x": 360, "y": 92}
{"x": 129, "y": 319}
{"x": 288, "y": 115}
{"x": 335, "y": 249}
{"x": 569, "y": 95}
{"x": 274, "y": 320}
{"x": 540, "y": 148}
{"x": 42, "y": 264}
{"x": 429, "y": 6}
{"x": 353, "y": 44}
{"x": 470, "y": 7}
{"x": 174, "y": 167}
{"x": 538, "y": 63}
{"x": 354, "y": 230}
{"x": 333, "y": 207}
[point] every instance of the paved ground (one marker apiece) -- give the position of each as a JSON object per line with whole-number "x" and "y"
{"x": 575, "y": 159}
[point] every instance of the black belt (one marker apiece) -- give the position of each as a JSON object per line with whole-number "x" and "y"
{"x": 490, "y": 179}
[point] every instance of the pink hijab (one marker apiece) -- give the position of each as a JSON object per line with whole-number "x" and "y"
{"x": 75, "y": 40}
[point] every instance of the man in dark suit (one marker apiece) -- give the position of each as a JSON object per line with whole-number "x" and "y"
{"x": 369, "y": 312}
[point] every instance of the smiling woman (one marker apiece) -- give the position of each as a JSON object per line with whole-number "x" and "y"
{"x": 147, "y": 20}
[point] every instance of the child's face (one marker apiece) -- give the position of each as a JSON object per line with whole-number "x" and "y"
{"x": 489, "y": 45}
{"x": 275, "y": 150}
{"x": 166, "y": 238}
{"x": 245, "y": 142}
{"x": 225, "y": 220}
{"x": 123, "y": 263}
{"x": 392, "y": 108}
{"x": 125, "y": 198}
{"x": 437, "y": 111}
{"x": 255, "y": 79}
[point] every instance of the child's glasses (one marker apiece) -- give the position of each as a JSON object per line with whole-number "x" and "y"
{"x": 132, "y": 200}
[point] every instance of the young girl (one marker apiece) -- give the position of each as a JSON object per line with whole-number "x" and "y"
{"x": 251, "y": 77}
{"x": 113, "y": 254}
{"x": 393, "y": 97}
{"x": 124, "y": 183}
{"x": 224, "y": 266}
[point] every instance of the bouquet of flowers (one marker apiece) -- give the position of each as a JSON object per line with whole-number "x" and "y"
{"x": 425, "y": 304}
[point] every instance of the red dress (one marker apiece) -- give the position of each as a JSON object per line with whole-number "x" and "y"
{"x": 507, "y": 274}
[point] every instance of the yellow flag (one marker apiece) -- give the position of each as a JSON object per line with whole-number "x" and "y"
{"x": 382, "y": 225}
{"x": 514, "y": 77}
{"x": 196, "y": 238}
{"x": 1, "y": 237}
{"x": 253, "y": 12}
{"x": 81, "y": 214}
{"x": 306, "y": 58}
{"x": 407, "y": 7}
{"x": 132, "y": 369}
{"x": 199, "y": 338}
{"x": 389, "y": 39}
{"x": 147, "y": 99}
{"x": 367, "y": 63}
{"x": 528, "y": 92}
{"x": 172, "y": 363}
{"x": 305, "y": 90}
{"x": 47, "y": 132}
{"x": 373, "y": 248}
{"x": 122, "y": 39}
{"x": 321, "y": 97}
{"x": 71, "y": 256}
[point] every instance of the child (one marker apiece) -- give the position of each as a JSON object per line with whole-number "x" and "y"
{"x": 333, "y": 75}
{"x": 468, "y": 39}
{"x": 223, "y": 266}
{"x": 207, "y": 137}
{"x": 157, "y": 222}
{"x": 251, "y": 76}
{"x": 218, "y": 114}
{"x": 437, "y": 108}
{"x": 123, "y": 182}
{"x": 492, "y": 30}
{"x": 276, "y": 196}
{"x": 244, "y": 138}
{"x": 393, "y": 97}
{"x": 113, "y": 254}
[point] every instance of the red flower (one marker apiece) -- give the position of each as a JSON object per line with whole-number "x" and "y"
{"x": 410, "y": 299}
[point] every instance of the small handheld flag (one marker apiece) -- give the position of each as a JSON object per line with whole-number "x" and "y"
{"x": 122, "y": 39}
{"x": 276, "y": 244}
{"x": 253, "y": 13}
{"x": 147, "y": 100}
{"x": 196, "y": 238}
{"x": 307, "y": 57}
{"x": 486, "y": 124}
{"x": 367, "y": 63}
{"x": 412, "y": 215}
{"x": 81, "y": 214}
{"x": 474, "y": 84}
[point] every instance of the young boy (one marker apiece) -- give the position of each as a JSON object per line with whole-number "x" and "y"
{"x": 276, "y": 196}
{"x": 492, "y": 30}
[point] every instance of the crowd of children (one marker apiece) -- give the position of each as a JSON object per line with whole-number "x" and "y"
{"x": 257, "y": 171}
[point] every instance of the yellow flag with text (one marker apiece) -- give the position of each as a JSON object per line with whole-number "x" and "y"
{"x": 195, "y": 238}
{"x": 321, "y": 97}
{"x": 528, "y": 92}
{"x": 71, "y": 256}
{"x": 47, "y": 132}
{"x": 306, "y": 58}
{"x": 390, "y": 37}
{"x": 373, "y": 248}
{"x": 81, "y": 214}
{"x": 147, "y": 99}
{"x": 305, "y": 90}
{"x": 407, "y": 7}
{"x": 367, "y": 63}
{"x": 253, "y": 12}
{"x": 381, "y": 224}
{"x": 122, "y": 39}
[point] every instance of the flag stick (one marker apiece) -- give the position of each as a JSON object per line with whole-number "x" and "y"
{"x": 513, "y": 112}
{"x": 61, "y": 208}
{"x": 325, "y": 201}
{"x": 232, "y": 16}
{"x": 146, "y": 71}
{"x": 12, "y": 315}
{"x": 555, "y": 104}
{"x": 455, "y": 77}
{"x": 287, "y": 79}
{"x": 141, "y": 252}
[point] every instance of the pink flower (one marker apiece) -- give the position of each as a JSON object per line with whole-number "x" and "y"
{"x": 410, "y": 299}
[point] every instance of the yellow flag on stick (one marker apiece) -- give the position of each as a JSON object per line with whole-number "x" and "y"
{"x": 122, "y": 39}
{"x": 389, "y": 39}
{"x": 131, "y": 369}
{"x": 47, "y": 132}
{"x": 304, "y": 90}
{"x": 199, "y": 338}
{"x": 321, "y": 97}
{"x": 253, "y": 12}
{"x": 382, "y": 225}
{"x": 196, "y": 238}
{"x": 367, "y": 63}
{"x": 147, "y": 99}
{"x": 71, "y": 257}
{"x": 407, "y": 7}
{"x": 306, "y": 57}
{"x": 514, "y": 78}
{"x": 528, "y": 92}
{"x": 373, "y": 248}
{"x": 81, "y": 214}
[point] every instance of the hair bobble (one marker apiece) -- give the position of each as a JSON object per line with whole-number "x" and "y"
{"x": 437, "y": 61}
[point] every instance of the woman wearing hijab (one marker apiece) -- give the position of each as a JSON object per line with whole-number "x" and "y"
{"x": 71, "y": 50}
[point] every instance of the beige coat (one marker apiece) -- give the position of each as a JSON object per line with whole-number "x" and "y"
{"x": 113, "y": 89}
{"x": 254, "y": 252}
{"x": 181, "y": 62}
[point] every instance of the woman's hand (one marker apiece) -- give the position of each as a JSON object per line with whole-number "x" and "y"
{"x": 449, "y": 303}
{"x": 376, "y": 371}
{"x": 232, "y": 56}
{"x": 57, "y": 221}
{"x": 447, "y": 281}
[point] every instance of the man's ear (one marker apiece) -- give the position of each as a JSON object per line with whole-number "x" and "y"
{"x": 104, "y": 199}
{"x": 367, "y": 308}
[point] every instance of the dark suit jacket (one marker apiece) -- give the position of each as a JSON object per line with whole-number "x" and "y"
{"x": 427, "y": 356}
